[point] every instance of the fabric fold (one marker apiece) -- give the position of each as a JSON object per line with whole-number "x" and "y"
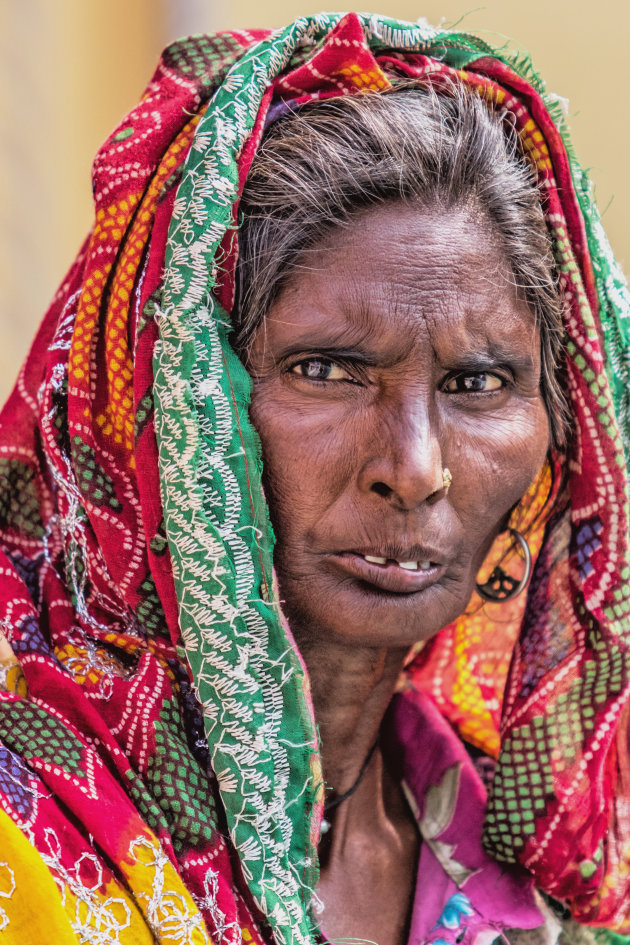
{"x": 136, "y": 551}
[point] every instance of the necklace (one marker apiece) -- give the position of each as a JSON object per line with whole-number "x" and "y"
{"x": 336, "y": 801}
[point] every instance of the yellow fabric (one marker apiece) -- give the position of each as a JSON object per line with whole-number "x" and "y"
{"x": 31, "y": 912}
{"x": 159, "y": 893}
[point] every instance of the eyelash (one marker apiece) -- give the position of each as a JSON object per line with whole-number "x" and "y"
{"x": 454, "y": 376}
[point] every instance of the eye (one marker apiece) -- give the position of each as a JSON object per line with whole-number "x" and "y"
{"x": 473, "y": 382}
{"x": 320, "y": 369}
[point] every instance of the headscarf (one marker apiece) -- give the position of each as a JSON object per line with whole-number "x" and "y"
{"x": 159, "y": 767}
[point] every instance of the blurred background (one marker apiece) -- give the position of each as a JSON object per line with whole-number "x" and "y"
{"x": 70, "y": 69}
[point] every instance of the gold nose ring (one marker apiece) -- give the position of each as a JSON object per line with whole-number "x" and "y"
{"x": 447, "y": 478}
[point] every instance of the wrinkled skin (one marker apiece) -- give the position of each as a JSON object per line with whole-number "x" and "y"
{"x": 402, "y": 311}
{"x": 399, "y": 348}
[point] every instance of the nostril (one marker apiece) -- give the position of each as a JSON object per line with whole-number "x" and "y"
{"x": 381, "y": 488}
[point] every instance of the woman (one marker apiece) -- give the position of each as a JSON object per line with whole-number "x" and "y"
{"x": 192, "y": 733}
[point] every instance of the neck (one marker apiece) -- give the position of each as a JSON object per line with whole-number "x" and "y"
{"x": 368, "y": 857}
{"x": 352, "y": 688}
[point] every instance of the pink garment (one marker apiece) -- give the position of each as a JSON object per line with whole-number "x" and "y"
{"x": 462, "y": 896}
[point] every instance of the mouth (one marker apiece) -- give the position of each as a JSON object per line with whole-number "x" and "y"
{"x": 395, "y": 575}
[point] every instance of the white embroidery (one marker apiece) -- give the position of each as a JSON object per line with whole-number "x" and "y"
{"x": 7, "y": 888}
{"x": 168, "y": 913}
{"x": 96, "y": 920}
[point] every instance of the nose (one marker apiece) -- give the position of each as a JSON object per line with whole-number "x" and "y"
{"x": 403, "y": 462}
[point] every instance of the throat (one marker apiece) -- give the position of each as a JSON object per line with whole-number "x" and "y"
{"x": 333, "y": 802}
{"x": 369, "y": 865}
{"x": 352, "y": 687}
{"x": 368, "y": 857}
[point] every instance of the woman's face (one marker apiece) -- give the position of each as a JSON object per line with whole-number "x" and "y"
{"x": 399, "y": 348}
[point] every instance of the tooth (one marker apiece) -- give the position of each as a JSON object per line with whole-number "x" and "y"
{"x": 408, "y": 565}
{"x": 425, "y": 565}
{"x": 374, "y": 560}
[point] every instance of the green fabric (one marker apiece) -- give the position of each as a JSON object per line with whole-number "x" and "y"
{"x": 249, "y": 679}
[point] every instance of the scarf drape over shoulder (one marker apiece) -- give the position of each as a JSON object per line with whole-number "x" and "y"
{"x": 159, "y": 767}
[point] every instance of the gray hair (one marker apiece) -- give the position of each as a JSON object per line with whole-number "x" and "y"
{"x": 321, "y": 164}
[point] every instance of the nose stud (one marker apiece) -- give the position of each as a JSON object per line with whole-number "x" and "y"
{"x": 447, "y": 478}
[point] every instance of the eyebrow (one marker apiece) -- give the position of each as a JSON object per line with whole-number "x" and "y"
{"x": 354, "y": 341}
{"x": 333, "y": 352}
{"x": 348, "y": 341}
{"x": 495, "y": 355}
{"x": 481, "y": 360}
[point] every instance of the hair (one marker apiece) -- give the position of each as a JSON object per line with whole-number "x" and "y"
{"x": 444, "y": 149}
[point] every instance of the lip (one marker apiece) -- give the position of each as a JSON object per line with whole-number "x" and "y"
{"x": 399, "y": 551}
{"x": 388, "y": 577}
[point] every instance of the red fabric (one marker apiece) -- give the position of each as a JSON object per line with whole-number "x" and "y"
{"x": 108, "y": 747}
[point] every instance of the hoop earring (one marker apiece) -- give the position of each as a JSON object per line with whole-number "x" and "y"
{"x": 501, "y": 587}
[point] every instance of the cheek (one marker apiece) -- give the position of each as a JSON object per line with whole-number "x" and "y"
{"x": 307, "y": 460}
{"x": 498, "y": 465}
{"x": 525, "y": 447}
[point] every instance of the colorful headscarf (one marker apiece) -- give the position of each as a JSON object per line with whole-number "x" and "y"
{"x": 159, "y": 767}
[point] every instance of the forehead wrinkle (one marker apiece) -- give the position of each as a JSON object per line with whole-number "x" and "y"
{"x": 475, "y": 332}
{"x": 357, "y": 294}
{"x": 342, "y": 332}
{"x": 437, "y": 294}
{"x": 375, "y": 305}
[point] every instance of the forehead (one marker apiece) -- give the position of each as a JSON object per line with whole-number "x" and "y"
{"x": 398, "y": 275}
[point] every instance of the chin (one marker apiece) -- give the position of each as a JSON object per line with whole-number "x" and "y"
{"x": 356, "y": 615}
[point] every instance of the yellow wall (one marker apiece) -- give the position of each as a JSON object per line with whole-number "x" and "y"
{"x": 583, "y": 56}
{"x": 70, "y": 69}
